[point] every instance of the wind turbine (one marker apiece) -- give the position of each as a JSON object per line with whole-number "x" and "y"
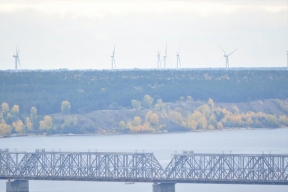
{"x": 225, "y": 55}
{"x": 113, "y": 65}
{"x": 165, "y": 56}
{"x": 178, "y": 58}
{"x": 159, "y": 60}
{"x": 16, "y": 56}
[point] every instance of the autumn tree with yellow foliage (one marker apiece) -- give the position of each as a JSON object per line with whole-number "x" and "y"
{"x": 15, "y": 110}
{"x": 150, "y": 124}
{"x": 5, "y": 107}
{"x": 4, "y": 128}
{"x": 18, "y": 126}
{"x": 46, "y": 124}
{"x": 29, "y": 124}
{"x": 152, "y": 118}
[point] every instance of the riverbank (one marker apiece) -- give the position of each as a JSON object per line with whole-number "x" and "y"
{"x": 150, "y": 133}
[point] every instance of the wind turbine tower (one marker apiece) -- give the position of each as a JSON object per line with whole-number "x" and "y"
{"x": 16, "y": 56}
{"x": 159, "y": 60}
{"x": 227, "y": 56}
{"x": 113, "y": 64}
{"x": 178, "y": 58}
{"x": 165, "y": 56}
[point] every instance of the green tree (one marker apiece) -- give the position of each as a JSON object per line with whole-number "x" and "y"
{"x": 212, "y": 120}
{"x": 147, "y": 101}
{"x": 33, "y": 113}
{"x": 122, "y": 124}
{"x": 136, "y": 104}
{"x": 67, "y": 123}
{"x": 205, "y": 110}
{"x": 271, "y": 120}
{"x": 176, "y": 116}
{"x": 249, "y": 121}
{"x": 159, "y": 106}
{"x": 189, "y": 98}
{"x": 65, "y": 107}
{"x": 33, "y": 117}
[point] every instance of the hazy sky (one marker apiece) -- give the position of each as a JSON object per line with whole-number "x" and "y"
{"x": 81, "y": 34}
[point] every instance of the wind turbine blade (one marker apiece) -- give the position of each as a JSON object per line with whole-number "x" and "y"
{"x": 233, "y": 51}
{"x": 222, "y": 49}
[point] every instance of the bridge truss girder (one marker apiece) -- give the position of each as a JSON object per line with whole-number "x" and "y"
{"x": 229, "y": 168}
{"x": 80, "y": 166}
{"x": 144, "y": 167}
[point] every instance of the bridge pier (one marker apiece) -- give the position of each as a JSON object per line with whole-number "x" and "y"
{"x": 164, "y": 187}
{"x": 17, "y": 186}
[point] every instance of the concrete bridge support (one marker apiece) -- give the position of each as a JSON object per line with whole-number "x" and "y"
{"x": 164, "y": 187}
{"x": 17, "y": 186}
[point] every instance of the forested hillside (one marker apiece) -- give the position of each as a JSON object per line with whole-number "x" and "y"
{"x": 97, "y": 90}
{"x": 141, "y": 101}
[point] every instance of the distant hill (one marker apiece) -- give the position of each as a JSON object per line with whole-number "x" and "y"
{"x": 140, "y": 101}
{"x": 89, "y": 90}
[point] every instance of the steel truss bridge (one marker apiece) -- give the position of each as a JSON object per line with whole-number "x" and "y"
{"x": 144, "y": 167}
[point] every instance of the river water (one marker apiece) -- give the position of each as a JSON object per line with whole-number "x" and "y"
{"x": 256, "y": 141}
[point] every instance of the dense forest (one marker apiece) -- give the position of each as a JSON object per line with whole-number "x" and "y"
{"x": 140, "y": 100}
{"x": 97, "y": 90}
